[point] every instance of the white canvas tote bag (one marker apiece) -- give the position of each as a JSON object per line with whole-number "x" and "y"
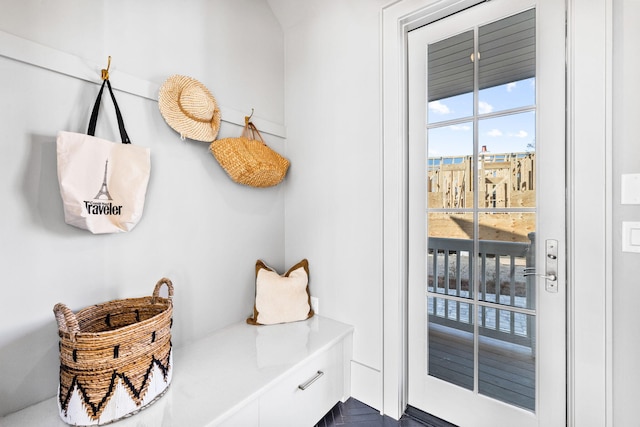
{"x": 103, "y": 184}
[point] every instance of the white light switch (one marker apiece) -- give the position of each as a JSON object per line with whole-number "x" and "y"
{"x": 630, "y": 236}
{"x": 630, "y": 189}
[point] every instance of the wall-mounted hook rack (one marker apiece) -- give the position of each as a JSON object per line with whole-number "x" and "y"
{"x": 28, "y": 52}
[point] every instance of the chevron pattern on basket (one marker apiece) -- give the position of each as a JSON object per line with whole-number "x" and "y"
{"x": 123, "y": 391}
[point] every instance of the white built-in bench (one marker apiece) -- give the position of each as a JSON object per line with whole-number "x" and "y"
{"x": 243, "y": 376}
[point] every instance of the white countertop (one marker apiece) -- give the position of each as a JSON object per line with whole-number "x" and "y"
{"x": 216, "y": 375}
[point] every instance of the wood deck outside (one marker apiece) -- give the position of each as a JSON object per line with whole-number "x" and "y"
{"x": 506, "y": 371}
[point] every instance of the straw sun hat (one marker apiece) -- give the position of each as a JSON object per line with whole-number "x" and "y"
{"x": 189, "y": 108}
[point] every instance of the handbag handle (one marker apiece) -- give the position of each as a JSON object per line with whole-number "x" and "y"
{"x": 250, "y": 131}
{"x": 96, "y": 108}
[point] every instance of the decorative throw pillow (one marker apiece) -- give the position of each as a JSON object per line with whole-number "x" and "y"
{"x": 281, "y": 299}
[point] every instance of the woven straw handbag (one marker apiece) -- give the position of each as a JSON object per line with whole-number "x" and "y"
{"x": 248, "y": 160}
{"x": 115, "y": 357}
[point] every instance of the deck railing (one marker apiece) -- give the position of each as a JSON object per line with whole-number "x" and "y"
{"x": 501, "y": 283}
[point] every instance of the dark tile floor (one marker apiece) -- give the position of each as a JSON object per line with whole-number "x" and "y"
{"x": 357, "y": 414}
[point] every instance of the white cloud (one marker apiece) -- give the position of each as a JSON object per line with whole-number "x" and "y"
{"x": 460, "y": 127}
{"x": 484, "y": 107}
{"x": 494, "y": 132}
{"x": 511, "y": 86}
{"x": 439, "y": 107}
{"x": 521, "y": 134}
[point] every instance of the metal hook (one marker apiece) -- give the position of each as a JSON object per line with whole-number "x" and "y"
{"x": 247, "y": 118}
{"x": 105, "y": 73}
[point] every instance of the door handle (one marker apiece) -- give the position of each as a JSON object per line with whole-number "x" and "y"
{"x": 551, "y": 267}
{"x": 531, "y": 271}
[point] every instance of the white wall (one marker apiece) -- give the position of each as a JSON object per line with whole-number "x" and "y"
{"x": 333, "y": 211}
{"x": 199, "y": 228}
{"x": 626, "y": 160}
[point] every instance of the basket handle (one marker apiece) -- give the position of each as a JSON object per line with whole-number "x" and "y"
{"x": 67, "y": 321}
{"x": 156, "y": 290}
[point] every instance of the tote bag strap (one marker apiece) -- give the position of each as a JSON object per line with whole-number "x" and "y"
{"x": 96, "y": 108}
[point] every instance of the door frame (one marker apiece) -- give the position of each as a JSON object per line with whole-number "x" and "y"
{"x": 589, "y": 189}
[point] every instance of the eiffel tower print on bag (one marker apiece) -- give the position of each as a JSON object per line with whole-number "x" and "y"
{"x": 103, "y": 184}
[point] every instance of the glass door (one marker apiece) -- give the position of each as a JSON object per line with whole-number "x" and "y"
{"x": 478, "y": 152}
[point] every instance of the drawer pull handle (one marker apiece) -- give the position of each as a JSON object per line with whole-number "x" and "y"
{"x": 311, "y": 381}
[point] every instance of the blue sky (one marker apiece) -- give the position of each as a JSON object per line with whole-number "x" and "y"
{"x": 505, "y": 134}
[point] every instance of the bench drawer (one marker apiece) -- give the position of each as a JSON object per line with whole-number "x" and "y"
{"x": 307, "y": 393}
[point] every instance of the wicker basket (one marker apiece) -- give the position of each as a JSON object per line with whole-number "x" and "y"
{"x": 115, "y": 357}
{"x": 248, "y": 160}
